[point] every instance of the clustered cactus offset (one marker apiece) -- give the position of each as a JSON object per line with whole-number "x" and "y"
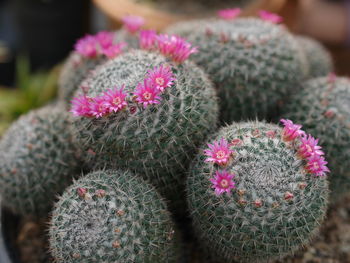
{"x": 253, "y": 63}
{"x": 254, "y": 194}
{"x": 318, "y": 59}
{"x": 155, "y": 132}
{"x": 322, "y": 107}
{"x": 38, "y": 159}
{"x": 112, "y": 216}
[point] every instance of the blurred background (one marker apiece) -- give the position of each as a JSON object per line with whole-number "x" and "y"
{"x": 36, "y": 35}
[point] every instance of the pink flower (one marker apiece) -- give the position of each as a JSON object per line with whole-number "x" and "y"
{"x": 81, "y": 106}
{"x": 105, "y": 39}
{"x": 219, "y": 152}
{"x": 161, "y": 77}
{"x": 175, "y": 47}
{"x": 99, "y": 107}
{"x": 309, "y": 147}
{"x": 115, "y": 99}
{"x": 114, "y": 50}
{"x": 87, "y": 46}
{"x": 222, "y": 182}
{"x": 147, "y": 94}
{"x": 230, "y": 13}
{"x": 166, "y": 44}
{"x": 267, "y": 16}
{"x": 291, "y": 130}
{"x": 133, "y": 23}
{"x": 317, "y": 165}
{"x": 147, "y": 39}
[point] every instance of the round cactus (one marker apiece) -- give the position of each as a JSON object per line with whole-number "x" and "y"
{"x": 38, "y": 158}
{"x": 158, "y": 140}
{"x": 318, "y": 58}
{"x": 91, "y": 51}
{"x": 253, "y": 195}
{"x": 322, "y": 107}
{"x": 253, "y": 63}
{"x": 112, "y": 216}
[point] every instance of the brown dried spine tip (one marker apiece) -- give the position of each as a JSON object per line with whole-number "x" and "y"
{"x": 120, "y": 213}
{"x": 116, "y": 244}
{"x": 100, "y": 193}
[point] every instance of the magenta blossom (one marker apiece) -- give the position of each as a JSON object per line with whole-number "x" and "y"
{"x": 87, "y": 46}
{"x": 219, "y": 152}
{"x": 182, "y": 50}
{"x": 114, "y": 50}
{"x": 291, "y": 130}
{"x": 105, "y": 39}
{"x": 309, "y": 147}
{"x": 115, "y": 99}
{"x": 230, "y": 13}
{"x": 147, "y": 94}
{"x": 177, "y": 48}
{"x": 316, "y": 165}
{"x": 147, "y": 39}
{"x": 81, "y": 106}
{"x": 161, "y": 77}
{"x": 99, "y": 107}
{"x": 133, "y": 23}
{"x": 222, "y": 182}
{"x": 267, "y": 16}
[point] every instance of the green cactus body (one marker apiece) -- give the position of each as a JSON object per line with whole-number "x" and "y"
{"x": 157, "y": 141}
{"x": 38, "y": 158}
{"x": 112, "y": 216}
{"x": 322, "y": 107}
{"x": 275, "y": 207}
{"x": 77, "y": 67}
{"x": 254, "y": 64}
{"x": 318, "y": 58}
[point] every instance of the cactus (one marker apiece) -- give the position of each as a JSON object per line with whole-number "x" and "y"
{"x": 112, "y": 216}
{"x": 78, "y": 66}
{"x": 38, "y": 158}
{"x": 322, "y": 107}
{"x": 318, "y": 58}
{"x": 253, "y": 63}
{"x": 251, "y": 195}
{"x": 157, "y": 141}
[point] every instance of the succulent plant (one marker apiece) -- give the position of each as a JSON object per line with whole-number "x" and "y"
{"x": 253, "y": 63}
{"x": 156, "y": 140}
{"x": 254, "y": 195}
{"x": 322, "y": 107}
{"x": 318, "y": 58}
{"x": 112, "y": 216}
{"x": 38, "y": 159}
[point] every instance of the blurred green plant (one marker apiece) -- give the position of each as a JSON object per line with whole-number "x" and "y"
{"x": 32, "y": 91}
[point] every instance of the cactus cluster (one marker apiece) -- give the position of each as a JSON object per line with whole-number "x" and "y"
{"x": 38, "y": 159}
{"x": 251, "y": 196}
{"x": 140, "y": 113}
{"x": 112, "y": 216}
{"x": 322, "y": 107}
{"x": 158, "y": 140}
{"x": 253, "y": 63}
